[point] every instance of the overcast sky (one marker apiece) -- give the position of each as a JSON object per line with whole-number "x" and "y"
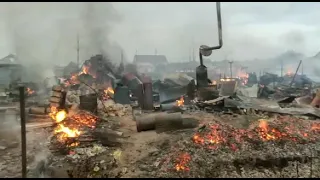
{"x": 47, "y": 32}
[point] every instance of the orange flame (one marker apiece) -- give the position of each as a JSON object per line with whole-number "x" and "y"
{"x": 243, "y": 76}
{"x": 64, "y": 132}
{"x": 180, "y": 102}
{"x": 86, "y": 70}
{"x": 289, "y": 72}
{"x": 182, "y": 162}
{"x": 30, "y": 91}
{"x": 109, "y": 90}
{"x": 264, "y": 131}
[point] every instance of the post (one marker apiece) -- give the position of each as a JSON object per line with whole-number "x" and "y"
{"x": 302, "y": 68}
{"x": 281, "y": 68}
{"x": 230, "y": 62}
{"x": 78, "y": 50}
{"x": 294, "y": 76}
{"x": 23, "y": 132}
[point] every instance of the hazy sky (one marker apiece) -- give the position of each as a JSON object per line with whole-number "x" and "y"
{"x": 47, "y": 31}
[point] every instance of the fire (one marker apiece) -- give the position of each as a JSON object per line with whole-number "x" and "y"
{"x": 225, "y": 136}
{"x": 226, "y": 79}
{"x": 109, "y": 90}
{"x": 180, "y": 102}
{"x": 85, "y": 70}
{"x": 289, "y": 72}
{"x": 213, "y": 137}
{"x": 182, "y": 162}
{"x": 107, "y": 93}
{"x": 214, "y": 82}
{"x": 243, "y": 76}
{"x": 30, "y": 91}
{"x": 62, "y": 131}
{"x": 60, "y": 116}
{"x": 56, "y": 115}
{"x": 66, "y": 132}
{"x": 265, "y": 133}
{"x": 315, "y": 127}
{"x": 85, "y": 119}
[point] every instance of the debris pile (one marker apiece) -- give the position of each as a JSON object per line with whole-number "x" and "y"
{"x": 111, "y": 109}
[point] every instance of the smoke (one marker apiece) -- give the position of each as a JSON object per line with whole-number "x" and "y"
{"x": 44, "y": 34}
{"x": 98, "y": 20}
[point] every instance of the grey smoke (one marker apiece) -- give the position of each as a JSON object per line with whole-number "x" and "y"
{"x": 44, "y": 34}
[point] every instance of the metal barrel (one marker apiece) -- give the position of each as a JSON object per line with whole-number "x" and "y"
{"x": 148, "y": 94}
{"x": 145, "y": 122}
{"x": 89, "y": 103}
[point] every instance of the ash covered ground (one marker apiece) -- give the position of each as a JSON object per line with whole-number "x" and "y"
{"x": 276, "y": 146}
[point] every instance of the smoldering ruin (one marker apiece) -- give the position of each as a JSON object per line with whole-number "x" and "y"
{"x": 104, "y": 117}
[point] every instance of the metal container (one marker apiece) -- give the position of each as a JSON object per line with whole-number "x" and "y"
{"x": 122, "y": 95}
{"x": 172, "y": 93}
{"x": 145, "y": 122}
{"x": 202, "y": 76}
{"x": 89, "y": 103}
{"x": 147, "y": 93}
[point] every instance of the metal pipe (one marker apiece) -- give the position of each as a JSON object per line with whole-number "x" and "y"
{"x": 294, "y": 76}
{"x": 219, "y": 29}
{"x": 23, "y": 132}
{"x": 230, "y": 62}
{"x": 200, "y": 57}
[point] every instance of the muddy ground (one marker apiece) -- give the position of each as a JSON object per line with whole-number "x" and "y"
{"x": 148, "y": 154}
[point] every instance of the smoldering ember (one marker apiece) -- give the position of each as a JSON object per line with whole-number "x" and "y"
{"x": 106, "y": 120}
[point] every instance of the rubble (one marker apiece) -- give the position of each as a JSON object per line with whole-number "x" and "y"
{"x": 234, "y": 127}
{"x": 111, "y": 109}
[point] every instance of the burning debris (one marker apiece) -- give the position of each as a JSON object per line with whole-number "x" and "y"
{"x": 272, "y": 144}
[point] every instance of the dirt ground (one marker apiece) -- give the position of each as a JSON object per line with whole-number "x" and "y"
{"x": 138, "y": 155}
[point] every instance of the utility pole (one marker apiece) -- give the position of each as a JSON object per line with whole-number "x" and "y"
{"x": 230, "y": 62}
{"x": 78, "y": 51}
{"x": 122, "y": 56}
{"x": 193, "y": 56}
{"x": 281, "y": 68}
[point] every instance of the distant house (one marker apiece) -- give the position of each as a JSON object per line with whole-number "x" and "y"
{"x": 149, "y": 63}
{"x": 10, "y": 70}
